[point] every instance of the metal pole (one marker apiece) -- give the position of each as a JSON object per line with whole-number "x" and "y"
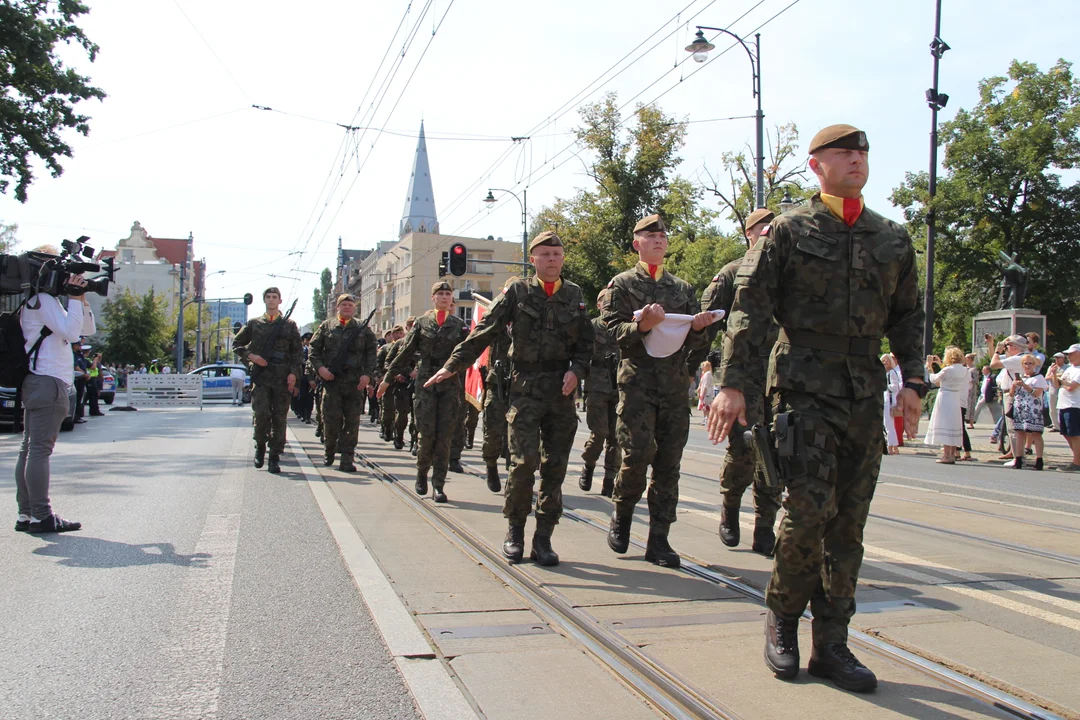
{"x": 525, "y": 232}
{"x": 931, "y": 229}
{"x": 760, "y": 130}
{"x": 198, "y": 324}
{"x": 180, "y": 321}
{"x": 217, "y": 347}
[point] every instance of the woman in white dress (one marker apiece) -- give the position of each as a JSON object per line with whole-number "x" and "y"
{"x": 895, "y": 384}
{"x": 705, "y": 391}
{"x": 946, "y": 421}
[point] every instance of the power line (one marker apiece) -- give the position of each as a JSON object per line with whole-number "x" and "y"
{"x": 211, "y": 49}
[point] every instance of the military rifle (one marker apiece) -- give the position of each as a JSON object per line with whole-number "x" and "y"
{"x": 340, "y": 360}
{"x": 267, "y": 352}
{"x": 779, "y": 452}
{"x": 502, "y": 391}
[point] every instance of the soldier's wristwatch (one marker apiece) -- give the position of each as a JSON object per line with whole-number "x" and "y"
{"x": 920, "y": 388}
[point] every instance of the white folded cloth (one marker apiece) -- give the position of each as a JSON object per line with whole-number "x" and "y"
{"x": 667, "y": 337}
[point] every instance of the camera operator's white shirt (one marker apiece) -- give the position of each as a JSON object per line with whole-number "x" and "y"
{"x": 55, "y": 357}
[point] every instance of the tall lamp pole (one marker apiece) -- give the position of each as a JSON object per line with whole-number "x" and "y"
{"x": 936, "y": 101}
{"x": 201, "y": 290}
{"x": 523, "y": 202}
{"x": 700, "y": 48}
{"x": 180, "y": 320}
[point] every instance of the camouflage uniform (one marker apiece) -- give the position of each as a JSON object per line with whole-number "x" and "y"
{"x": 653, "y": 412}
{"x": 341, "y": 401}
{"x": 434, "y": 407}
{"x": 549, "y": 335}
{"x": 270, "y": 396}
{"x": 739, "y": 468}
{"x": 601, "y": 400}
{"x": 494, "y": 403}
{"x": 399, "y": 398}
{"x": 835, "y": 291}
{"x": 386, "y": 406}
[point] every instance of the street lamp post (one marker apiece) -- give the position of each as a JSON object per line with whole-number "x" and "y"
{"x": 180, "y": 319}
{"x": 936, "y": 101}
{"x": 198, "y": 325}
{"x": 523, "y": 202}
{"x": 700, "y": 48}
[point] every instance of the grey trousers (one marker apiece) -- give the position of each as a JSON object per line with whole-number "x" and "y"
{"x": 45, "y": 405}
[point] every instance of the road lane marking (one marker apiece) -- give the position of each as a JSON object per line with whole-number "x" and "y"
{"x": 429, "y": 681}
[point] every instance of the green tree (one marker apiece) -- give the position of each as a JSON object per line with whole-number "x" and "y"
{"x": 8, "y": 241}
{"x": 1003, "y": 190}
{"x": 136, "y": 328}
{"x": 322, "y": 295}
{"x": 40, "y": 93}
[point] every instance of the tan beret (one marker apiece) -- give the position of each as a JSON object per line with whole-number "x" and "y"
{"x": 345, "y": 297}
{"x": 397, "y": 328}
{"x": 845, "y": 137}
{"x": 761, "y": 215}
{"x": 441, "y": 285}
{"x": 547, "y": 238}
{"x": 650, "y": 224}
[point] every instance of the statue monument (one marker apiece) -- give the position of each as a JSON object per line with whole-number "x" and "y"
{"x": 1013, "y": 283}
{"x": 1011, "y": 317}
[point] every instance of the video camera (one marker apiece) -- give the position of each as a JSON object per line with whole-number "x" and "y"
{"x": 37, "y": 272}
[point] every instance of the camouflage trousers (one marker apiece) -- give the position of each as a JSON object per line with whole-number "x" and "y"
{"x": 341, "y": 403}
{"x": 472, "y": 419}
{"x": 270, "y": 408}
{"x": 600, "y": 416}
{"x": 389, "y": 409}
{"x": 399, "y": 399}
{"x": 819, "y": 548}
{"x": 740, "y": 470}
{"x": 436, "y": 408}
{"x": 652, "y": 431}
{"x": 494, "y": 427}
{"x": 541, "y": 435}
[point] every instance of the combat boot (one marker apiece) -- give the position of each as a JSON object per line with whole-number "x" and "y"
{"x": 399, "y": 442}
{"x": 421, "y": 482}
{"x": 494, "y": 482}
{"x": 455, "y": 466}
{"x": 329, "y": 459}
{"x": 347, "y": 464}
{"x": 273, "y": 466}
{"x": 782, "y": 645}
{"x": 608, "y": 487}
{"x": 414, "y": 447}
{"x": 260, "y": 454}
{"x": 513, "y": 548}
{"x": 659, "y": 552}
{"x": 764, "y": 538}
{"x": 618, "y": 537}
{"x": 585, "y": 481}
{"x": 438, "y": 495}
{"x": 470, "y": 438}
{"x": 835, "y": 661}
{"x": 542, "y": 554}
{"x": 729, "y": 525}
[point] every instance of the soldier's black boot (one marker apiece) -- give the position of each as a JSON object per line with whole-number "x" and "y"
{"x": 421, "y": 482}
{"x": 329, "y": 459}
{"x": 494, "y": 482}
{"x": 470, "y": 438}
{"x": 542, "y": 554}
{"x": 585, "y": 481}
{"x": 608, "y": 487}
{"x": 618, "y": 537}
{"x": 659, "y": 552}
{"x": 414, "y": 447}
{"x": 260, "y": 454}
{"x": 347, "y": 464}
{"x": 513, "y": 548}
{"x": 399, "y": 441}
{"x": 437, "y": 494}
{"x": 836, "y": 662}
{"x": 455, "y": 466}
{"x": 764, "y": 538}
{"x": 729, "y": 525}
{"x": 273, "y": 466}
{"x": 782, "y": 645}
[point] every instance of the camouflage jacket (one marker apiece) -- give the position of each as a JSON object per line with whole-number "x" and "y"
{"x": 548, "y": 335}
{"x": 720, "y": 295}
{"x": 827, "y": 283}
{"x": 498, "y": 350}
{"x": 632, "y": 290}
{"x": 600, "y": 380}
{"x": 327, "y": 342}
{"x": 392, "y": 350}
{"x": 429, "y": 344}
{"x": 285, "y": 358}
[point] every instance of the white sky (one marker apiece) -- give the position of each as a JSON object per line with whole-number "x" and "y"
{"x": 177, "y": 146}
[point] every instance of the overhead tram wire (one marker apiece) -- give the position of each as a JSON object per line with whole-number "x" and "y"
{"x": 212, "y": 52}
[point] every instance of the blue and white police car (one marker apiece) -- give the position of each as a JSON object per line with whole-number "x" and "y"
{"x": 217, "y": 381}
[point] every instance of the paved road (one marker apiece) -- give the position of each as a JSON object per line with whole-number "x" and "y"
{"x": 199, "y": 588}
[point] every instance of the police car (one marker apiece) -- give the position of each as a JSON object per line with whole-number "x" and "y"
{"x": 217, "y": 381}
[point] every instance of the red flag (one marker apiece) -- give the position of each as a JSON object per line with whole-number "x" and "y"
{"x": 474, "y": 385}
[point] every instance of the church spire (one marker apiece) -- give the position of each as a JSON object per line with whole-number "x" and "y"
{"x": 420, "y": 204}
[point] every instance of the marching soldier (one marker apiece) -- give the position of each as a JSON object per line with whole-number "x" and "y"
{"x": 550, "y": 350}
{"x": 270, "y": 346}
{"x": 343, "y": 356}
{"x": 496, "y": 387}
{"x": 739, "y": 469}
{"x": 601, "y": 399}
{"x": 380, "y": 371}
{"x": 457, "y": 442}
{"x": 654, "y": 416}
{"x": 386, "y": 407}
{"x": 392, "y": 409}
{"x": 837, "y": 277}
{"x": 433, "y": 338}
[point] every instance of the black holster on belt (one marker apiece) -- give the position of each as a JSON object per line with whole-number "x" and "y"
{"x": 780, "y": 453}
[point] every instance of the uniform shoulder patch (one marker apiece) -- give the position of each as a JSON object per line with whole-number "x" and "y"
{"x": 766, "y": 230}
{"x": 611, "y": 283}
{"x": 581, "y": 306}
{"x": 716, "y": 277}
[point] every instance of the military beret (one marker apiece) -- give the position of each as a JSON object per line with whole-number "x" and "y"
{"x": 441, "y": 285}
{"x": 307, "y": 336}
{"x": 761, "y": 215}
{"x": 345, "y": 297}
{"x": 845, "y": 137}
{"x": 545, "y": 238}
{"x": 650, "y": 224}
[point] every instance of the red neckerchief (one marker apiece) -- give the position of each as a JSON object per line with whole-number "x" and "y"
{"x": 549, "y": 288}
{"x": 440, "y": 316}
{"x": 852, "y": 210}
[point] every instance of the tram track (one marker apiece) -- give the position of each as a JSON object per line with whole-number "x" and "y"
{"x": 965, "y": 684}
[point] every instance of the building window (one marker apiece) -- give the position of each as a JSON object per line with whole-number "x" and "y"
{"x": 465, "y": 313}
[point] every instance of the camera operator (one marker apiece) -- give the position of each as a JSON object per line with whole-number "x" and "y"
{"x": 45, "y": 398}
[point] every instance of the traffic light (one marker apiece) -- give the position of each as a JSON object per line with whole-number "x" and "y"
{"x": 236, "y": 326}
{"x": 248, "y": 299}
{"x": 459, "y": 259}
{"x": 442, "y": 265}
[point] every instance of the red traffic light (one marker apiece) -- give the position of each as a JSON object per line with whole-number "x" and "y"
{"x": 458, "y": 259}
{"x": 459, "y": 249}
